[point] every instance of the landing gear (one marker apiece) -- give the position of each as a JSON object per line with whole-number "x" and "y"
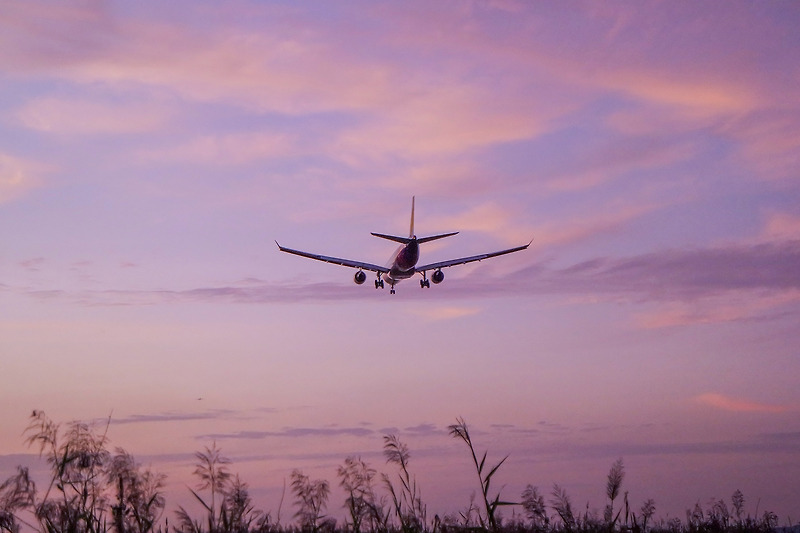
{"x": 379, "y": 283}
{"x": 424, "y": 282}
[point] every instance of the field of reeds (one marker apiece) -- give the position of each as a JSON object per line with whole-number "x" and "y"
{"x": 94, "y": 490}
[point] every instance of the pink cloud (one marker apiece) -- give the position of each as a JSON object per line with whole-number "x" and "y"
{"x": 229, "y": 149}
{"x": 269, "y": 69}
{"x": 489, "y": 218}
{"x": 450, "y": 118}
{"x": 741, "y": 305}
{"x": 727, "y": 403}
{"x": 698, "y": 98}
{"x": 32, "y": 264}
{"x": 770, "y": 142}
{"x": 781, "y": 226}
{"x": 580, "y": 228}
{"x": 614, "y": 160}
{"x": 447, "y": 312}
{"x": 275, "y": 71}
{"x": 85, "y": 117}
{"x": 17, "y": 177}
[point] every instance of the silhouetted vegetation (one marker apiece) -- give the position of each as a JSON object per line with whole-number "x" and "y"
{"x": 489, "y": 519}
{"x": 91, "y": 490}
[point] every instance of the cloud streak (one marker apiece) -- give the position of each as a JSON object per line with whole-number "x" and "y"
{"x": 678, "y": 275}
{"x": 291, "y": 433}
{"x": 174, "y": 417}
{"x": 17, "y": 176}
{"x": 738, "y": 405}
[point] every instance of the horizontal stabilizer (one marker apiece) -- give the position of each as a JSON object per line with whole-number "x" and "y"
{"x": 434, "y": 237}
{"x": 406, "y": 240}
{"x": 401, "y": 240}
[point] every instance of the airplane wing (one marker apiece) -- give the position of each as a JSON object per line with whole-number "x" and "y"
{"x": 470, "y": 259}
{"x": 335, "y": 260}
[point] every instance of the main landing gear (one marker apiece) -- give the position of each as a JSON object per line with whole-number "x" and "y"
{"x": 424, "y": 282}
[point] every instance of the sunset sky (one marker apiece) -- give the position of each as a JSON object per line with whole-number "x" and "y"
{"x": 152, "y": 152}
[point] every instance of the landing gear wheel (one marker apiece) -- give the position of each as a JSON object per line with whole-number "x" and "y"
{"x": 424, "y": 283}
{"x": 378, "y": 283}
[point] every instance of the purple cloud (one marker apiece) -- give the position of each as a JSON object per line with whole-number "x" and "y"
{"x": 678, "y": 274}
{"x": 291, "y": 432}
{"x": 174, "y": 417}
{"x": 667, "y": 275}
{"x": 33, "y": 264}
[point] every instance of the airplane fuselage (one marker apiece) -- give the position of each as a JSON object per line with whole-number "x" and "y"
{"x": 404, "y": 263}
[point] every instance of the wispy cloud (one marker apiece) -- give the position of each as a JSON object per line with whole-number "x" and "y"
{"x": 70, "y": 116}
{"x": 292, "y": 432}
{"x": 781, "y": 227}
{"x": 17, "y": 176}
{"x": 175, "y": 417}
{"x": 425, "y": 429}
{"x": 681, "y": 273}
{"x": 33, "y": 264}
{"x": 586, "y": 226}
{"x": 742, "y": 305}
{"x": 447, "y": 312}
{"x": 738, "y": 405}
{"x": 230, "y": 149}
{"x": 677, "y": 275}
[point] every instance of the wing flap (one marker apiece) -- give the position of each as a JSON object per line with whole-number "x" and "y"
{"x": 335, "y": 260}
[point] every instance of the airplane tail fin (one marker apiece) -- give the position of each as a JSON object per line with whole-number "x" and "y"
{"x": 411, "y": 230}
{"x": 402, "y": 240}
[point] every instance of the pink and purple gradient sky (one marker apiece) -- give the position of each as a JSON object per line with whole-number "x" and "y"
{"x": 151, "y": 152}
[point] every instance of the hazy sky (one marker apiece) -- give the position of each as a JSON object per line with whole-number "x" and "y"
{"x": 151, "y": 152}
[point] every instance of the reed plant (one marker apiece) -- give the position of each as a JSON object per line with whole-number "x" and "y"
{"x": 615, "y": 477}
{"x": 408, "y": 505}
{"x": 91, "y": 490}
{"x": 235, "y": 512}
{"x": 461, "y": 431}
{"x": 363, "y": 506}
{"x": 311, "y": 499}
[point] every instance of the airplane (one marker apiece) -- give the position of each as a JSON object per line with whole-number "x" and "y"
{"x": 403, "y": 263}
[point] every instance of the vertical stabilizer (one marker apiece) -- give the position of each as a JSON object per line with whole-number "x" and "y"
{"x": 411, "y": 230}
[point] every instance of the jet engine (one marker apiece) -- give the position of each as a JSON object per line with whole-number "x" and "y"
{"x": 437, "y": 277}
{"x": 360, "y": 277}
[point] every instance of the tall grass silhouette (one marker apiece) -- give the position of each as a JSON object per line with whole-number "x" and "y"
{"x": 92, "y": 490}
{"x": 311, "y": 498}
{"x": 408, "y": 506}
{"x": 363, "y": 506}
{"x": 491, "y": 505}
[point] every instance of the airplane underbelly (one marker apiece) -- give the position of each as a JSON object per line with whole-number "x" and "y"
{"x": 396, "y": 275}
